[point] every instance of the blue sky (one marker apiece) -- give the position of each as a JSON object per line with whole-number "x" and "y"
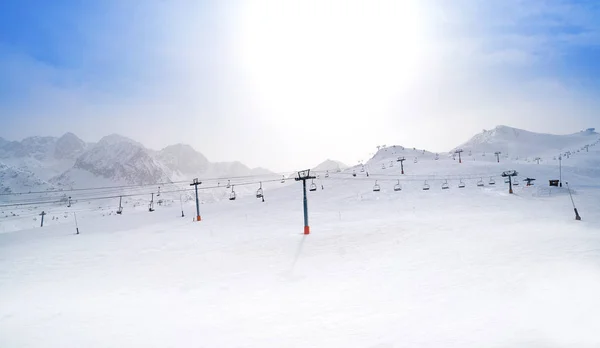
{"x": 286, "y": 84}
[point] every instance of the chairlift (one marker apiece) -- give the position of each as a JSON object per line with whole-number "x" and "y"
{"x": 313, "y": 186}
{"x": 515, "y": 181}
{"x": 354, "y": 173}
{"x": 232, "y": 195}
{"x": 398, "y": 187}
{"x": 283, "y": 179}
{"x": 480, "y": 183}
{"x": 228, "y": 184}
{"x": 461, "y": 184}
{"x": 425, "y": 186}
{"x": 445, "y": 185}
{"x": 158, "y": 194}
{"x": 492, "y": 181}
{"x": 259, "y": 192}
{"x": 327, "y": 174}
{"x": 69, "y": 205}
{"x": 362, "y": 169}
{"x": 383, "y": 166}
{"x": 376, "y": 187}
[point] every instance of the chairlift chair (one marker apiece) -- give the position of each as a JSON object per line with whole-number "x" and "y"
{"x": 480, "y": 183}
{"x": 327, "y": 174}
{"x": 313, "y": 186}
{"x": 354, "y": 173}
{"x": 362, "y": 169}
{"x": 232, "y": 195}
{"x": 492, "y": 181}
{"x": 461, "y": 184}
{"x": 376, "y": 187}
{"x": 391, "y": 163}
{"x": 416, "y": 160}
{"x": 259, "y": 192}
{"x": 445, "y": 185}
{"x": 228, "y": 184}
{"x": 283, "y": 179}
{"x": 426, "y": 186}
{"x": 398, "y": 187}
{"x": 383, "y": 166}
{"x": 515, "y": 181}
{"x": 158, "y": 194}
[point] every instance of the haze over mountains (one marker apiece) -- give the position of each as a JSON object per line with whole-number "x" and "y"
{"x": 40, "y": 163}
{"x": 44, "y": 162}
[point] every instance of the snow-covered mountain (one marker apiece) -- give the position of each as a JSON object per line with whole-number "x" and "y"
{"x": 68, "y": 161}
{"x": 185, "y": 163}
{"x": 388, "y": 156}
{"x": 118, "y": 159}
{"x": 43, "y": 149}
{"x": 182, "y": 160}
{"x": 518, "y": 143}
{"x": 330, "y": 165}
{"x": 236, "y": 169}
{"x": 39, "y": 148}
{"x": 45, "y": 157}
{"x": 69, "y": 146}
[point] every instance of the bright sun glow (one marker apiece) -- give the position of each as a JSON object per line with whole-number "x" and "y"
{"x": 326, "y": 60}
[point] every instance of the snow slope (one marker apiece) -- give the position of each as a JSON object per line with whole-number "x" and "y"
{"x": 521, "y": 143}
{"x": 462, "y": 267}
{"x": 471, "y": 267}
{"x": 19, "y": 180}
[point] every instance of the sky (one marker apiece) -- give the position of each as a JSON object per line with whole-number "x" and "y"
{"x": 287, "y": 84}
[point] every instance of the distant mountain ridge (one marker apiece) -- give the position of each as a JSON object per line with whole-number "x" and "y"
{"x": 69, "y": 161}
{"x": 44, "y": 162}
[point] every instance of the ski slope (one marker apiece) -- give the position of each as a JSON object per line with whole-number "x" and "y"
{"x": 469, "y": 267}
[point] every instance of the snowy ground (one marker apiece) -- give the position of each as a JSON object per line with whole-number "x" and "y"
{"x": 472, "y": 267}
